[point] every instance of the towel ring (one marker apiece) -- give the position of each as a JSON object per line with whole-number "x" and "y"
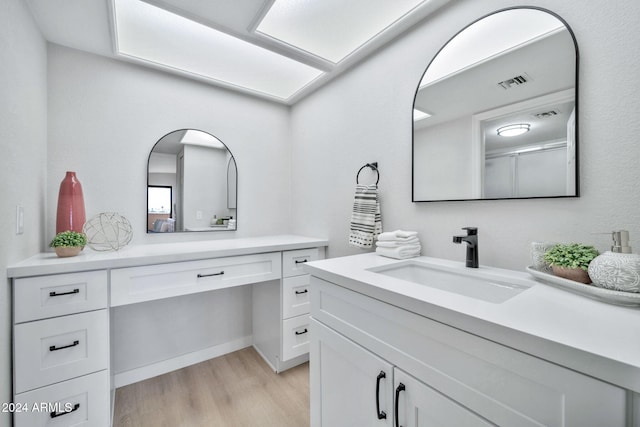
{"x": 373, "y": 166}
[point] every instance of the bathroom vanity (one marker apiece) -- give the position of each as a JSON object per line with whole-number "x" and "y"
{"x": 64, "y": 310}
{"x": 430, "y": 342}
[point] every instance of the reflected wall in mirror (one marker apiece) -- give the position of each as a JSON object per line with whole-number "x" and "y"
{"x": 516, "y": 67}
{"x": 192, "y": 184}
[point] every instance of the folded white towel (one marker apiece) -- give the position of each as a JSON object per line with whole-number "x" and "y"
{"x": 395, "y": 243}
{"x": 401, "y": 252}
{"x": 399, "y": 235}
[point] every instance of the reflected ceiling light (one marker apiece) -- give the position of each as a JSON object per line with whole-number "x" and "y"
{"x": 332, "y": 29}
{"x": 196, "y": 137}
{"x": 514, "y": 130}
{"x": 157, "y": 37}
{"x": 419, "y": 115}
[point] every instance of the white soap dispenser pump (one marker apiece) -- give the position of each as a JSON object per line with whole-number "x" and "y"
{"x": 617, "y": 269}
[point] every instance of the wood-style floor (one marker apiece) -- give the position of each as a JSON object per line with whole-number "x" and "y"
{"x": 238, "y": 389}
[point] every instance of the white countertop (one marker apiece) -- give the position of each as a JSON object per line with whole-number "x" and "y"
{"x": 135, "y": 255}
{"x": 592, "y": 337}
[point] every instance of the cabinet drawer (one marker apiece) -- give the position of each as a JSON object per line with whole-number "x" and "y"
{"x": 295, "y": 296}
{"x": 56, "y": 295}
{"x": 151, "y": 282}
{"x": 293, "y": 261}
{"x": 295, "y": 337}
{"x": 79, "y": 402}
{"x": 53, "y": 350}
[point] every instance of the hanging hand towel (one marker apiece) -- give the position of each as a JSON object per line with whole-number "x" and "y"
{"x": 366, "y": 222}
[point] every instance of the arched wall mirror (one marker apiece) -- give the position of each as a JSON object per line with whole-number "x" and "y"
{"x": 192, "y": 184}
{"x": 495, "y": 113}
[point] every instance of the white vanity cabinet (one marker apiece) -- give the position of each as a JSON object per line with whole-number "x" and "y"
{"x": 437, "y": 375}
{"x": 66, "y": 313}
{"x": 281, "y": 312}
{"x": 61, "y": 350}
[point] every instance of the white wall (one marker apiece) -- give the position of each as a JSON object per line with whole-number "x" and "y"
{"x": 106, "y": 115}
{"x": 365, "y": 116}
{"x": 23, "y": 143}
{"x": 435, "y": 149}
{"x": 205, "y": 185}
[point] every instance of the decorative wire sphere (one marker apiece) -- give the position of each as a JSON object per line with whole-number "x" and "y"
{"x": 108, "y": 231}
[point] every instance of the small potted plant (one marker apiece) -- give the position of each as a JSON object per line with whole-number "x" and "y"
{"x": 68, "y": 243}
{"x": 571, "y": 261}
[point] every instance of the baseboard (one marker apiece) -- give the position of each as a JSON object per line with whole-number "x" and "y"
{"x": 139, "y": 374}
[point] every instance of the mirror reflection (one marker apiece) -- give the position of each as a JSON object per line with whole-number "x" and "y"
{"x": 495, "y": 112}
{"x": 191, "y": 184}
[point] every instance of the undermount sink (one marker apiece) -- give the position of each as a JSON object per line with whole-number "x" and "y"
{"x": 473, "y": 283}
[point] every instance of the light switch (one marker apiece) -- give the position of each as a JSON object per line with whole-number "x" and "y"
{"x": 19, "y": 219}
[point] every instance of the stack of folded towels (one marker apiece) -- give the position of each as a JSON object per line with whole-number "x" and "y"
{"x": 398, "y": 244}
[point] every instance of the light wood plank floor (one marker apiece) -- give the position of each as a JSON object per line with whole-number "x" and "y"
{"x": 235, "y": 390}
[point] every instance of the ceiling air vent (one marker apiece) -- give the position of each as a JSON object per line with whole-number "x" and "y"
{"x": 514, "y": 81}
{"x": 547, "y": 114}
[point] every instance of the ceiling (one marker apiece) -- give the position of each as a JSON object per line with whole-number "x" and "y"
{"x": 280, "y": 50}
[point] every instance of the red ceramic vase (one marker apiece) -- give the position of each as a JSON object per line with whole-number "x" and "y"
{"x": 71, "y": 215}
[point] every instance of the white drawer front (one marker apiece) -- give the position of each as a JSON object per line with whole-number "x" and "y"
{"x": 295, "y": 296}
{"x": 56, "y": 295}
{"x": 295, "y": 337}
{"x": 293, "y": 261}
{"x": 79, "y": 402}
{"x": 151, "y": 282}
{"x": 53, "y": 350}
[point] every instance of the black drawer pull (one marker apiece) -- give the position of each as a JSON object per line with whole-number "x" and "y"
{"x": 400, "y": 388}
{"x": 55, "y": 294}
{"x": 381, "y": 414}
{"x": 59, "y": 414}
{"x": 302, "y": 262}
{"x": 302, "y": 292}
{"x": 303, "y": 332}
{"x": 54, "y": 348}
{"x": 212, "y": 274}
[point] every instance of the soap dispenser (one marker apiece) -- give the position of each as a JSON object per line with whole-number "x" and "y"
{"x": 617, "y": 269}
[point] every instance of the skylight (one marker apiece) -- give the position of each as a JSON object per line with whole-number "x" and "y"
{"x": 498, "y": 34}
{"x": 158, "y": 37}
{"x": 332, "y": 29}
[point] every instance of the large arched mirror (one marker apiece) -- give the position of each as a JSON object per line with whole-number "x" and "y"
{"x": 191, "y": 184}
{"x": 495, "y": 113}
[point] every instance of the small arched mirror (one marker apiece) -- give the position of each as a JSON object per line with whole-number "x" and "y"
{"x": 495, "y": 113}
{"x": 191, "y": 184}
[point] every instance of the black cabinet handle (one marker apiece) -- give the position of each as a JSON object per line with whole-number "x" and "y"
{"x": 381, "y": 414}
{"x": 59, "y": 414}
{"x": 301, "y": 262}
{"x": 209, "y": 275}
{"x": 302, "y": 292}
{"x": 55, "y": 294}
{"x": 303, "y": 332}
{"x": 400, "y": 388}
{"x": 54, "y": 348}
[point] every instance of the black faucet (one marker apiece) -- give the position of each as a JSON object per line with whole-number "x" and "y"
{"x": 472, "y": 245}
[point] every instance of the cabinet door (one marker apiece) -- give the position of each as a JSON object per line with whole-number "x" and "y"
{"x": 350, "y": 386}
{"x": 418, "y": 405}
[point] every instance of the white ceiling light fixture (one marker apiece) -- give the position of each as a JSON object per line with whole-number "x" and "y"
{"x": 420, "y": 115}
{"x": 332, "y": 29}
{"x": 147, "y": 33}
{"x": 514, "y": 129}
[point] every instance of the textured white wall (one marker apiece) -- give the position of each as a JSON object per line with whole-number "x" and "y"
{"x": 23, "y": 143}
{"x": 365, "y": 116}
{"x": 106, "y": 115}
